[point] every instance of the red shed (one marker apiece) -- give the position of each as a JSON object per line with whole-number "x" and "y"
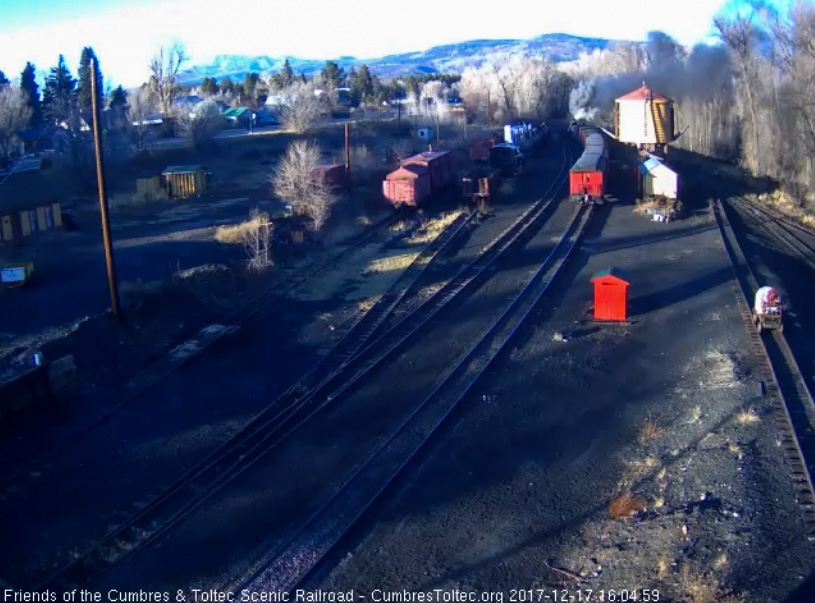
{"x": 332, "y": 176}
{"x": 610, "y": 295}
{"x": 439, "y": 164}
{"x": 409, "y": 185}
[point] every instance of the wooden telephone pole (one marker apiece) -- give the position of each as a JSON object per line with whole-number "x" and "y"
{"x": 103, "y": 199}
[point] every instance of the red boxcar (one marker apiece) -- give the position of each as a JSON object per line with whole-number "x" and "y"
{"x": 588, "y": 174}
{"x": 407, "y": 186}
{"x": 439, "y": 164}
{"x": 333, "y": 176}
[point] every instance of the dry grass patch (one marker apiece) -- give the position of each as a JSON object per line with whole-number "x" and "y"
{"x": 650, "y": 431}
{"x": 389, "y": 263}
{"x": 734, "y": 448}
{"x": 657, "y": 204}
{"x": 626, "y": 506}
{"x": 787, "y": 205}
{"x": 699, "y": 588}
{"x": 636, "y": 470}
{"x": 747, "y": 416}
{"x": 237, "y": 234}
{"x": 431, "y": 229}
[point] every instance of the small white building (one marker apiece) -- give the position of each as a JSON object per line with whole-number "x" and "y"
{"x": 658, "y": 179}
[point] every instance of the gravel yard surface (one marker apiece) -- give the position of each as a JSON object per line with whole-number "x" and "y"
{"x": 623, "y": 458}
{"x": 84, "y": 490}
{"x": 268, "y": 502}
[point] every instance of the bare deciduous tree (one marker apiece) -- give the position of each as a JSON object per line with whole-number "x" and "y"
{"x": 200, "y": 123}
{"x": 164, "y": 67}
{"x": 508, "y": 87}
{"x": 293, "y": 181}
{"x": 300, "y": 108}
{"x": 141, "y": 105}
{"x": 14, "y": 116}
{"x": 258, "y": 237}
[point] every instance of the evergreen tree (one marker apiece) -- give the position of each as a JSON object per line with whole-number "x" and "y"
{"x": 250, "y": 83}
{"x": 227, "y": 85}
{"x": 58, "y": 97}
{"x": 3, "y": 79}
{"x": 117, "y": 98}
{"x": 28, "y": 83}
{"x": 209, "y": 87}
{"x": 362, "y": 85}
{"x": 83, "y": 86}
{"x": 333, "y": 75}
{"x": 285, "y": 77}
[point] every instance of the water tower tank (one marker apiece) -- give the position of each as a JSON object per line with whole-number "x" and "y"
{"x": 644, "y": 117}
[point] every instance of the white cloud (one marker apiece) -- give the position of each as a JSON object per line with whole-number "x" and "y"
{"x": 125, "y": 39}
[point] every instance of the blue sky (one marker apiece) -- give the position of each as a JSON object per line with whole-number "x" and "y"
{"x": 125, "y": 33}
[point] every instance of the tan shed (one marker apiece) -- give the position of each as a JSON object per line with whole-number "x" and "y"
{"x": 185, "y": 180}
{"x": 148, "y": 186}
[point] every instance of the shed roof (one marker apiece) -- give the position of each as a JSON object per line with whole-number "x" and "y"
{"x": 613, "y": 273}
{"x": 654, "y": 165}
{"x": 645, "y": 93}
{"x": 235, "y": 111}
{"x": 427, "y": 156}
{"x": 329, "y": 167}
{"x": 182, "y": 169}
{"x": 407, "y": 172}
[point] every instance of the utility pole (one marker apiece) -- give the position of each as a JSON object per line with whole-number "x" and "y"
{"x": 103, "y": 200}
{"x": 347, "y": 156}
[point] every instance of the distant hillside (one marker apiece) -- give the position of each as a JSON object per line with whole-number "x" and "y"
{"x": 450, "y": 58}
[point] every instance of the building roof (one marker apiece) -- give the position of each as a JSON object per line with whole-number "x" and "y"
{"x": 653, "y": 164}
{"x": 407, "y": 172}
{"x": 427, "y": 156}
{"x": 182, "y": 169}
{"x": 612, "y": 273}
{"x": 645, "y": 93}
{"x": 236, "y": 111}
{"x": 328, "y": 168}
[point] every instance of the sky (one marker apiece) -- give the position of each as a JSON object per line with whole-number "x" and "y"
{"x": 125, "y": 33}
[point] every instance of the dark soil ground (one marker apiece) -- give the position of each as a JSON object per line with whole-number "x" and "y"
{"x": 636, "y": 457}
{"x": 774, "y": 265}
{"x": 274, "y": 497}
{"x": 175, "y": 278}
{"x": 158, "y": 239}
{"x": 118, "y": 467}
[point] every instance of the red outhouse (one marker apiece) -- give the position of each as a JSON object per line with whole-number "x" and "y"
{"x": 610, "y": 295}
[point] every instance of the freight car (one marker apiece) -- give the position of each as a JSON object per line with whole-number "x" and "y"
{"x": 588, "y": 174}
{"x": 419, "y": 178}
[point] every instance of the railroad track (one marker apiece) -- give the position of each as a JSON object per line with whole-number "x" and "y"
{"x": 289, "y": 564}
{"x": 794, "y": 411}
{"x": 780, "y": 228}
{"x": 170, "y": 362}
{"x": 341, "y": 368}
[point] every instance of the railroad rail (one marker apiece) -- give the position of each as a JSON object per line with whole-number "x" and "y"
{"x": 344, "y": 366}
{"x": 169, "y": 363}
{"x": 779, "y": 227}
{"x": 285, "y": 568}
{"x": 794, "y": 410}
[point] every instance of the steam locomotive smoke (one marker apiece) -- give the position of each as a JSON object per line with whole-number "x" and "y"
{"x": 671, "y": 70}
